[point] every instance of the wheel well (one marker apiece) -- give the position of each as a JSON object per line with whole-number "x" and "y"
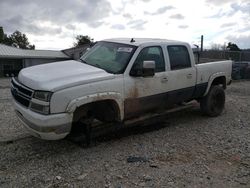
{"x": 220, "y": 81}
{"x": 106, "y": 110}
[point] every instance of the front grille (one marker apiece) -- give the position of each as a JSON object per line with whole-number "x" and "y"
{"x": 21, "y": 93}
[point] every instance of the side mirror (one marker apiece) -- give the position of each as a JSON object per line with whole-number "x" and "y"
{"x": 148, "y": 68}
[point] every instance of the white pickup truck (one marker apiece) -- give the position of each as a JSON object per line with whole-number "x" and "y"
{"x": 115, "y": 81}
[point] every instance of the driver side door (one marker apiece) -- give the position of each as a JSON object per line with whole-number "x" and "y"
{"x": 144, "y": 94}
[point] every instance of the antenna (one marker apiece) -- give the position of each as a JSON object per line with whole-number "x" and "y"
{"x": 132, "y": 40}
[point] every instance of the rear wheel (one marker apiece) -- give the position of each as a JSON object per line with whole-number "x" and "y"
{"x": 213, "y": 103}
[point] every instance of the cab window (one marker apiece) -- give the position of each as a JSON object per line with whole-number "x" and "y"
{"x": 179, "y": 57}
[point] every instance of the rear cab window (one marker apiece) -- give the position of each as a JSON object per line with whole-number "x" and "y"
{"x": 179, "y": 57}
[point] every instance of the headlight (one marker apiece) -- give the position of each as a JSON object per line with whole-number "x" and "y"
{"x": 42, "y": 95}
{"x": 40, "y": 108}
{"x": 40, "y": 102}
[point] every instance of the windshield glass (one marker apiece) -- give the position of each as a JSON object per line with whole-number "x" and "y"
{"x": 109, "y": 56}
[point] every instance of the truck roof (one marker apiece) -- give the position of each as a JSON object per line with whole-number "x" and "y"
{"x": 140, "y": 41}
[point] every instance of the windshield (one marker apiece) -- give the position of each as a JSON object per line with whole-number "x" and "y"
{"x": 109, "y": 56}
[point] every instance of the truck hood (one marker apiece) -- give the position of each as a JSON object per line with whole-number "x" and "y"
{"x": 60, "y": 75}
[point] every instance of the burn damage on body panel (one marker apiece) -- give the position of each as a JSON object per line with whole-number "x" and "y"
{"x": 133, "y": 93}
{"x": 132, "y": 104}
{"x": 135, "y": 105}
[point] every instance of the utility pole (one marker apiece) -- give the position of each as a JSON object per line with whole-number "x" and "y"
{"x": 202, "y": 38}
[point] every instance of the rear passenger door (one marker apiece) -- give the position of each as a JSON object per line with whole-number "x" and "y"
{"x": 182, "y": 74}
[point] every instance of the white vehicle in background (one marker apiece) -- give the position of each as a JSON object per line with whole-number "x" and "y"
{"x": 115, "y": 81}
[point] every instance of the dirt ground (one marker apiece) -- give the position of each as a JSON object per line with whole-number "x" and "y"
{"x": 186, "y": 150}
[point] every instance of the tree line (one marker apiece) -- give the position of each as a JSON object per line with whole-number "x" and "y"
{"x": 229, "y": 46}
{"x": 20, "y": 40}
{"x": 16, "y": 39}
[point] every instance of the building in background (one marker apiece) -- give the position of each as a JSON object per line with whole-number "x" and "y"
{"x": 76, "y": 52}
{"x": 12, "y": 59}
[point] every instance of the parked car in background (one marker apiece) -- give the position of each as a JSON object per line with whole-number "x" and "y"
{"x": 240, "y": 70}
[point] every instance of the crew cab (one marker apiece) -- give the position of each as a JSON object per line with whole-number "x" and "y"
{"x": 115, "y": 81}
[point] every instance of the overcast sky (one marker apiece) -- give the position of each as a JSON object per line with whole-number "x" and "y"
{"x": 53, "y": 24}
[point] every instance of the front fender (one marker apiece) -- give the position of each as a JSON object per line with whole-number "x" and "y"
{"x": 117, "y": 97}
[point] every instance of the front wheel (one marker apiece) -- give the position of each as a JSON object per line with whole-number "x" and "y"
{"x": 213, "y": 103}
{"x": 80, "y": 128}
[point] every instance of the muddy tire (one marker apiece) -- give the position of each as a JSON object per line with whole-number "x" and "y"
{"x": 81, "y": 132}
{"x": 213, "y": 103}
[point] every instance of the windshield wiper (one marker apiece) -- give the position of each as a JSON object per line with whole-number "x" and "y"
{"x": 95, "y": 65}
{"x": 98, "y": 66}
{"x": 83, "y": 61}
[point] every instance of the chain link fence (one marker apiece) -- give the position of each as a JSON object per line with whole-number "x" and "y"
{"x": 241, "y": 61}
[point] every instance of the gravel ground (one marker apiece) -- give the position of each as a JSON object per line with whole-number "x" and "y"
{"x": 4, "y": 83}
{"x": 190, "y": 150}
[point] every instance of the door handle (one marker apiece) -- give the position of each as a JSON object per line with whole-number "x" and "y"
{"x": 164, "y": 79}
{"x": 189, "y": 76}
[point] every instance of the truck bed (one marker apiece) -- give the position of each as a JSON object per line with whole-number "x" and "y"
{"x": 208, "y": 60}
{"x": 206, "y": 70}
